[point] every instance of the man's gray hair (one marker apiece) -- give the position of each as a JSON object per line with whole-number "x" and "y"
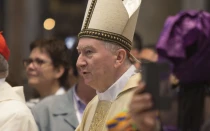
{"x": 113, "y": 48}
{"x": 4, "y": 67}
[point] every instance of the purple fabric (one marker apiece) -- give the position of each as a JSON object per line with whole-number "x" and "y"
{"x": 81, "y": 106}
{"x": 185, "y": 42}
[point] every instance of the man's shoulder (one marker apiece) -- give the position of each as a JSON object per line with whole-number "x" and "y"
{"x": 131, "y": 84}
{"x": 53, "y": 103}
{"x": 49, "y": 101}
{"x": 93, "y": 101}
{"x": 14, "y": 108}
{"x": 16, "y": 104}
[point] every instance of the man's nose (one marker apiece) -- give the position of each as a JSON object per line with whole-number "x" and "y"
{"x": 81, "y": 62}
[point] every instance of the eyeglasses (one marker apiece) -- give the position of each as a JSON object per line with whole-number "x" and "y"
{"x": 36, "y": 62}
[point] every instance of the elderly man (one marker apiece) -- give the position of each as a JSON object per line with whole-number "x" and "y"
{"x": 15, "y": 116}
{"x": 105, "y": 59}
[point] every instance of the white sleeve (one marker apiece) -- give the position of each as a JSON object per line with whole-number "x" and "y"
{"x": 21, "y": 121}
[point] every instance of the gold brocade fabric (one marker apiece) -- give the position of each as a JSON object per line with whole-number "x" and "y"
{"x": 100, "y": 115}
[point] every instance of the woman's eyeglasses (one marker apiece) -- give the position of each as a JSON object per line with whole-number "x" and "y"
{"x": 36, "y": 62}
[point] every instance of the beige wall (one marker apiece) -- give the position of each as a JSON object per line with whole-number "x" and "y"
{"x": 152, "y": 16}
{"x": 21, "y": 22}
{"x": 194, "y": 4}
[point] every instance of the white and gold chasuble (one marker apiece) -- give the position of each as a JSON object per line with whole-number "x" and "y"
{"x": 102, "y": 108}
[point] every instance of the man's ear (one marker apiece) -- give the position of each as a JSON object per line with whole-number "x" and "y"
{"x": 59, "y": 72}
{"x": 120, "y": 57}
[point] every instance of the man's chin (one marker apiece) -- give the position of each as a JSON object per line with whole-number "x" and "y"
{"x": 87, "y": 82}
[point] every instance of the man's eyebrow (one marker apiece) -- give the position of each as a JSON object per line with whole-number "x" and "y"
{"x": 84, "y": 47}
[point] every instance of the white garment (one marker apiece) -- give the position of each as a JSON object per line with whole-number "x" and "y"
{"x": 15, "y": 115}
{"x": 111, "y": 93}
{"x": 60, "y": 91}
{"x": 2, "y": 81}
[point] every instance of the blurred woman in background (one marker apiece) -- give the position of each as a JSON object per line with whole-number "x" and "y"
{"x": 47, "y": 68}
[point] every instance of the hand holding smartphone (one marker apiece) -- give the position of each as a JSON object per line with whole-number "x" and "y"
{"x": 156, "y": 77}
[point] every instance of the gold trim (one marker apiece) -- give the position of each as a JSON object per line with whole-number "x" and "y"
{"x": 89, "y": 14}
{"x": 107, "y": 36}
{"x": 100, "y": 116}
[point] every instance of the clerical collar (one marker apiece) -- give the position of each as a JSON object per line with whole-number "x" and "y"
{"x": 2, "y": 81}
{"x": 112, "y": 92}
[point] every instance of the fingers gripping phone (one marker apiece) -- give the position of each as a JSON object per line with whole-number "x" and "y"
{"x": 156, "y": 77}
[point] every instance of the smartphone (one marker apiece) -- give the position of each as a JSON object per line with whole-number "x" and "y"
{"x": 156, "y": 76}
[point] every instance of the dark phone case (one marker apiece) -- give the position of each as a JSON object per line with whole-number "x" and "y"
{"x": 156, "y": 78}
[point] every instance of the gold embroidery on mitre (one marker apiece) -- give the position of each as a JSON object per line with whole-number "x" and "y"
{"x": 107, "y": 36}
{"x": 89, "y": 14}
{"x": 98, "y": 122}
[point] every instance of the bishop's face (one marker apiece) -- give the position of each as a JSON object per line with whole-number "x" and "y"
{"x": 95, "y": 63}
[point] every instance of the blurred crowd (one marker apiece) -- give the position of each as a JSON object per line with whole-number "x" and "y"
{"x": 98, "y": 83}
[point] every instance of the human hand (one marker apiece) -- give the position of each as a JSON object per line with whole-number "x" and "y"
{"x": 140, "y": 110}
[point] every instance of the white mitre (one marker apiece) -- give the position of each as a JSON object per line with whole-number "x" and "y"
{"x": 111, "y": 20}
